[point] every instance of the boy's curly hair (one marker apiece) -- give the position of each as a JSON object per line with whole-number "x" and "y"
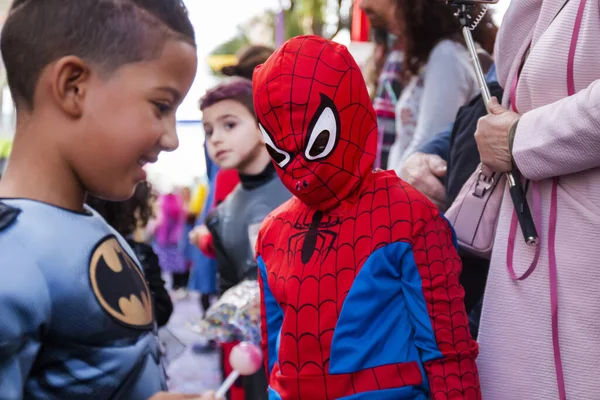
{"x": 126, "y": 216}
{"x": 236, "y": 88}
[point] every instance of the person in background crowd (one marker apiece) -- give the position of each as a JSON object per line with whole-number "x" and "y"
{"x": 193, "y": 210}
{"x": 374, "y": 64}
{"x": 203, "y": 275}
{"x": 235, "y": 142}
{"x": 389, "y": 88}
{"x": 126, "y": 217}
{"x": 248, "y": 58}
{"x": 225, "y": 182}
{"x": 168, "y": 230}
{"x": 436, "y": 65}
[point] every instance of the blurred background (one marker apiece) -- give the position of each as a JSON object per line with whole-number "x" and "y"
{"x": 223, "y": 28}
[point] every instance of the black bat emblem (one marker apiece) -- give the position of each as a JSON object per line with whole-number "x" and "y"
{"x": 120, "y": 286}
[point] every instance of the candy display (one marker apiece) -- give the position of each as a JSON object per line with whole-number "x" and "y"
{"x": 234, "y": 317}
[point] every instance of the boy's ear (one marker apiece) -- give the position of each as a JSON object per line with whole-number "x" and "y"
{"x": 262, "y": 139}
{"x": 70, "y": 81}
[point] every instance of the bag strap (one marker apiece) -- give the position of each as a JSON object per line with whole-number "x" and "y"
{"x": 553, "y": 217}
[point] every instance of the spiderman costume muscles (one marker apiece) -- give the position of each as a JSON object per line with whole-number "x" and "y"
{"x": 359, "y": 273}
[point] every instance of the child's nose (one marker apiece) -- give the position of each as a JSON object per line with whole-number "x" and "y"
{"x": 169, "y": 141}
{"x": 215, "y": 137}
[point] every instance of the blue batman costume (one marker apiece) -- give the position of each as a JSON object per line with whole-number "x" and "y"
{"x": 76, "y": 319}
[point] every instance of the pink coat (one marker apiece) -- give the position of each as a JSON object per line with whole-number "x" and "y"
{"x": 558, "y": 136}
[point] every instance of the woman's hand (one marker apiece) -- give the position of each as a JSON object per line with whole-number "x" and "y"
{"x": 423, "y": 172}
{"x": 492, "y": 137}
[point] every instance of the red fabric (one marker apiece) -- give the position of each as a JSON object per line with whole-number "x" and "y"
{"x": 237, "y": 391}
{"x": 314, "y": 246}
{"x": 326, "y": 99}
{"x": 225, "y": 182}
{"x": 205, "y": 244}
{"x": 361, "y": 27}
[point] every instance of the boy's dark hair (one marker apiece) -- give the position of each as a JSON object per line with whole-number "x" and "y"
{"x": 236, "y": 88}
{"x": 105, "y": 33}
{"x": 126, "y": 216}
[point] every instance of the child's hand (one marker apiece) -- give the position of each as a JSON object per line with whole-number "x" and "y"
{"x": 197, "y": 233}
{"x": 209, "y": 396}
{"x": 201, "y": 237}
{"x": 174, "y": 396}
{"x": 179, "y": 396}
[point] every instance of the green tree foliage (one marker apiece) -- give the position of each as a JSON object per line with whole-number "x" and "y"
{"x": 321, "y": 13}
{"x": 320, "y": 17}
{"x": 232, "y": 45}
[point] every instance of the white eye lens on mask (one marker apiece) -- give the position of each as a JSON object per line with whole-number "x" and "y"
{"x": 322, "y": 137}
{"x": 280, "y": 157}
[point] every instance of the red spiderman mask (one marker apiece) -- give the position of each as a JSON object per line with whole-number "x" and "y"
{"x": 317, "y": 120}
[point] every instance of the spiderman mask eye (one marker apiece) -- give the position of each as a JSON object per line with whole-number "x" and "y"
{"x": 323, "y": 131}
{"x": 280, "y": 157}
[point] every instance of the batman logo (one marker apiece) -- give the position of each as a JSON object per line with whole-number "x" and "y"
{"x": 119, "y": 285}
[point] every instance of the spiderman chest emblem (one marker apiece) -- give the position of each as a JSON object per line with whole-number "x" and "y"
{"x": 316, "y": 236}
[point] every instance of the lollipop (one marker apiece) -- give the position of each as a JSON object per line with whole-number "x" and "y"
{"x": 245, "y": 359}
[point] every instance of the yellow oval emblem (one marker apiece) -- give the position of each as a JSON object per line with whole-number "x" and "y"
{"x": 119, "y": 285}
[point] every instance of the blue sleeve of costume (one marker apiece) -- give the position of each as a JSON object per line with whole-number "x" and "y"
{"x": 203, "y": 277}
{"x": 24, "y": 311}
{"x": 274, "y": 317}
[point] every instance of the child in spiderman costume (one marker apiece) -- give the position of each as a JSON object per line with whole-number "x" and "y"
{"x": 359, "y": 272}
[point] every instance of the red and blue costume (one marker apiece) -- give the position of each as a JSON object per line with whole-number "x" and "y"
{"x": 359, "y": 272}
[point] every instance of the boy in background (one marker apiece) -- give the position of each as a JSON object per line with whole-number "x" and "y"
{"x": 234, "y": 141}
{"x": 96, "y": 84}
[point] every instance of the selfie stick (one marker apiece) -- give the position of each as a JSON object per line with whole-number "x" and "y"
{"x": 516, "y": 191}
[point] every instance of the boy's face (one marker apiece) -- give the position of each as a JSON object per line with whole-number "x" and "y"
{"x": 128, "y": 119}
{"x": 232, "y": 135}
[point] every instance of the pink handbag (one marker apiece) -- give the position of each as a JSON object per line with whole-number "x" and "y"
{"x": 474, "y": 212}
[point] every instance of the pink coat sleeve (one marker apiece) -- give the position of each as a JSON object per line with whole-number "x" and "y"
{"x": 560, "y": 138}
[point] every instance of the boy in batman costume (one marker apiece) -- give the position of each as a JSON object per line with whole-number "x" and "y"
{"x": 359, "y": 272}
{"x": 96, "y": 91}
